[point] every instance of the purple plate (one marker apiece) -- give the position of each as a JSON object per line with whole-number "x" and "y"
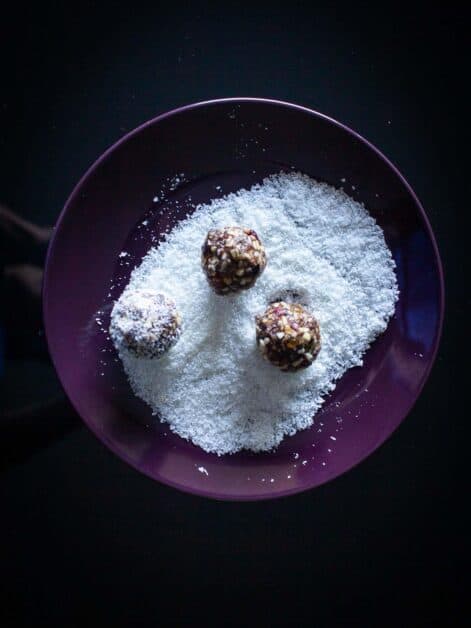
{"x": 133, "y": 194}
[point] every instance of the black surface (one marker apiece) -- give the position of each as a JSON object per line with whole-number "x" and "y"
{"x": 85, "y": 540}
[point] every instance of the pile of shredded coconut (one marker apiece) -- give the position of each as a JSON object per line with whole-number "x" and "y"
{"x": 213, "y": 387}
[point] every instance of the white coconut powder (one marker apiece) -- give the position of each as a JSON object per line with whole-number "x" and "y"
{"x": 213, "y": 387}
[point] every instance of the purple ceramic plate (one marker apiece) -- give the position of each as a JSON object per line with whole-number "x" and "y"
{"x": 229, "y": 144}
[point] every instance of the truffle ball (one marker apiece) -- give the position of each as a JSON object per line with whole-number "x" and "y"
{"x": 233, "y": 258}
{"x": 145, "y": 323}
{"x": 288, "y": 336}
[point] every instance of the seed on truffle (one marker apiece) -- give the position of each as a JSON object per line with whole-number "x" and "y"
{"x": 144, "y": 323}
{"x": 288, "y": 336}
{"x": 232, "y": 258}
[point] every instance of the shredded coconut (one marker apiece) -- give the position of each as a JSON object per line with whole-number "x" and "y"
{"x": 213, "y": 387}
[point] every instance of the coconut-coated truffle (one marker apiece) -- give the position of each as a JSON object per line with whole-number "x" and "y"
{"x": 145, "y": 323}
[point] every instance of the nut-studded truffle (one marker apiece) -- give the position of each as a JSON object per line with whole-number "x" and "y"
{"x": 144, "y": 323}
{"x": 232, "y": 258}
{"x": 288, "y": 336}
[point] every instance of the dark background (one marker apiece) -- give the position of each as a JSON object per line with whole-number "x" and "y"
{"x": 85, "y": 540}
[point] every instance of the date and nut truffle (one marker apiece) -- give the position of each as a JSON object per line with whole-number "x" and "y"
{"x": 145, "y": 323}
{"x": 288, "y": 336}
{"x": 233, "y": 258}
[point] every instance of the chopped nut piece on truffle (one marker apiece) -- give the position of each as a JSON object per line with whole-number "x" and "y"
{"x": 288, "y": 336}
{"x": 233, "y": 258}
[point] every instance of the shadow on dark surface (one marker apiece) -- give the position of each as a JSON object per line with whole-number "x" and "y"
{"x": 30, "y": 426}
